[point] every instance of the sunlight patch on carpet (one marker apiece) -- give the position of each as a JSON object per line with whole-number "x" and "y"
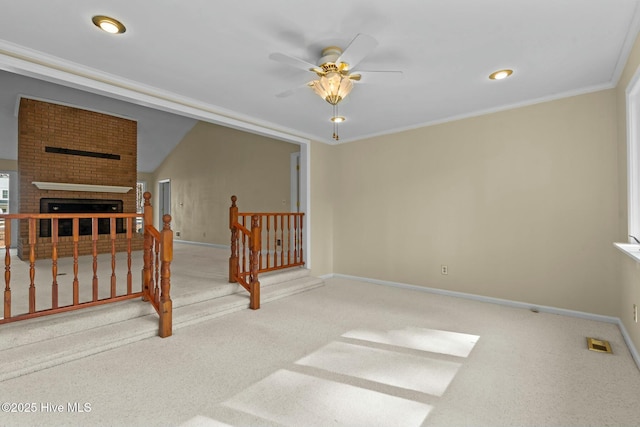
{"x": 386, "y": 367}
{"x": 295, "y": 399}
{"x": 431, "y": 340}
{"x": 202, "y": 421}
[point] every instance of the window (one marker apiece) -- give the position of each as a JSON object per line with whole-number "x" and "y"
{"x": 633, "y": 155}
{"x": 140, "y": 189}
{"x": 4, "y": 195}
{"x": 633, "y": 168}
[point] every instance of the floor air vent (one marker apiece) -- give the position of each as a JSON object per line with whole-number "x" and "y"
{"x": 601, "y": 346}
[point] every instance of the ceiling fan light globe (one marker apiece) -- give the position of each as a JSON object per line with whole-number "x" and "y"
{"x": 345, "y": 87}
{"x": 319, "y": 89}
{"x": 333, "y": 99}
{"x": 333, "y": 87}
{"x": 332, "y": 82}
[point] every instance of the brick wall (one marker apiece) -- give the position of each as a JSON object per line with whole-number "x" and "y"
{"x": 42, "y": 125}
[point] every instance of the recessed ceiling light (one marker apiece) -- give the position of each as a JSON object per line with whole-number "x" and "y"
{"x": 110, "y": 25}
{"x": 500, "y": 74}
{"x": 338, "y": 119}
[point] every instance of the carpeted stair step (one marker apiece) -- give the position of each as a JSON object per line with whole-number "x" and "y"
{"x": 209, "y": 309}
{"x": 36, "y": 344}
{"x": 44, "y": 354}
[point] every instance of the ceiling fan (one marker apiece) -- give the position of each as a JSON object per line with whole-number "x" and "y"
{"x": 335, "y": 72}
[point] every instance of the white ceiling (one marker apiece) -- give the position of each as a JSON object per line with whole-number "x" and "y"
{"x": 210, "y": 61}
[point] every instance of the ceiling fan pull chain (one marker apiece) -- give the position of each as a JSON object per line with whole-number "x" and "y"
{"x": 335, "y": 122}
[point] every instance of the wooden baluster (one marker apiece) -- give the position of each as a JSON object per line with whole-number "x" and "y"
{"x": 276, "y": 232}
{"x": 301, "y": 248}
{"x": 156, "y": 289}
{"x": 7, "y": 269}
{"x": 54, "y": 262}
{"x": 233, "y": 259}
{"x": 288, "y": 239}
{"x": 260, "y": 223}
{"x": 76, "y": 234}
{"x": 146, "y": 269}
{"x": 270, "y": 220}
{"x": 94, "y": 238}
{"x": 295, "y": 238}
{"x": 243, "y": 267}
{"x": 276, "y": 249}
{"x": 274, "y": 220}
{"x": 112, "y": 229}
{"x": 260, "y": 257}
{"x": 275, "y": 240}
{"x": 129, "y": 237}
{"x": 256, "y": 245}
{"x": 248, "y": 269}
{"x": 281, "y": 239}
{"x": 268, "y": 255}
{"x": 248, "y": 245}
{"x": 32, "y": 265}
{"x": 166, "y": 306}
{"x": 147, "y": 272}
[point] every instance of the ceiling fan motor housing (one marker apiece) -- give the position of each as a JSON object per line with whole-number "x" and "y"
{"x": 330, "y": 54}
{"x": 328, "y": 61}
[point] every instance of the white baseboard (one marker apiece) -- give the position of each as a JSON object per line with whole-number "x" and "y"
{"x": 505, "y": 302}
{"x": 627, "y": 339}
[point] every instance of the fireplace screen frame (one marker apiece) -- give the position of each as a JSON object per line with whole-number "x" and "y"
{"x": 77, "y": 205}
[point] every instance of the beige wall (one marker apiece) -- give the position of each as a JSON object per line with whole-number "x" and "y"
{"x": 8, "y": 165}
{"x": 629, "y": 280}
{"x": 146, "y": 177}
{"x": 520, "y": 205}
{"x": 211, "y": 164}
{"x": 323, "y": 183}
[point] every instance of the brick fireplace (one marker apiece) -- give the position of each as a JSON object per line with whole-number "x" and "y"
{"x": 76, "y": 158}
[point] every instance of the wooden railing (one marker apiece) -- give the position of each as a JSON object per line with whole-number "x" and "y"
{"x": 262, "y": 242}
{"x": 156, "y": 273}
{"x": 158, "y": 252}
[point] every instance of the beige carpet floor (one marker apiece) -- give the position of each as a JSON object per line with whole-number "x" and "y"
{"x": 348, "y": 353}
{"x": 194, "y": 268}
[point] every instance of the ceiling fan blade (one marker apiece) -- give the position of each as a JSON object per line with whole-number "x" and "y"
{"x": 293, "y": 61}
{"x": 376, "y": 77}
{"x": 359, "y": 47}
{"x": 291, "y": 91}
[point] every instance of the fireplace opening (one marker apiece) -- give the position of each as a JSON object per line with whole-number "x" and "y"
{"x": 65, "y": 226}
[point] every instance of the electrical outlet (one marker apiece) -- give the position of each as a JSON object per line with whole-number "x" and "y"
{"x": 635, "y": 313}
{"x": 444, "y": 269}
{"x": 177, "y": 234}
{"x": 278, "y": 242}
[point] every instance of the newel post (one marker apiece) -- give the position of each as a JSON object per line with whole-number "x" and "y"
{"x": 7, "y": 269}
{"x": 233, "y": 259}
{"x": 254, "y": 257}
{"x": 166, "y": 256}
{"x": 148, "y": 243}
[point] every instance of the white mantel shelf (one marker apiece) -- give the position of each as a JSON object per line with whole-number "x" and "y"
{"x": 80, "y": 187}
